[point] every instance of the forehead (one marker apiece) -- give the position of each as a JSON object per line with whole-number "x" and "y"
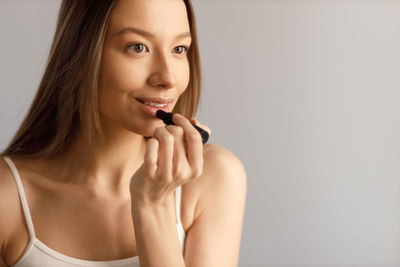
{"x": 156, "y": 16}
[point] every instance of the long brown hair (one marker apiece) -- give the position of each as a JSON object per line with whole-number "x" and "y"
{"x": 67, "y": 95}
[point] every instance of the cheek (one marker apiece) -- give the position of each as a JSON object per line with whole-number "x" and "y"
{"x": 184, "y": 77}
{"x": 119, "y": 75}
{"x": 118, "y": 80}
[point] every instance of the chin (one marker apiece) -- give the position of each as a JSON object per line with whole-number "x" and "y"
{"x": 147, "y": 130}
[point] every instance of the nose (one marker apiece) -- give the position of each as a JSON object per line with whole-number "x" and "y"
{"x": 161, "y": 74}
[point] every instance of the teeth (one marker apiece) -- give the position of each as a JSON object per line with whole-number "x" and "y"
{"x": 157, "y": 105}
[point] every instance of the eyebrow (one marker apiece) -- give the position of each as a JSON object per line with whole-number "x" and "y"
{"x": 148, "y": 34}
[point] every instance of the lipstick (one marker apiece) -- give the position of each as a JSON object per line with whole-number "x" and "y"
{"x": 166, "y": 117}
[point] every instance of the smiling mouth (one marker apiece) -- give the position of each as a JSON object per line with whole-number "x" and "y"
{"x": 153, "y": 104}
{"x": 152, "y": 107}
{"x": 156, "y": 100}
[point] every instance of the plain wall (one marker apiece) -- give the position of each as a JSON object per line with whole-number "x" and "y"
{"x": 305, "y": 93}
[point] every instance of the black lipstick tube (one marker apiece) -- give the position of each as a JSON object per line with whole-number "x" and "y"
{"x": 166, "y": 117}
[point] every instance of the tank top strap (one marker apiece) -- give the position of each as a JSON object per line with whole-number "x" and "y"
{"x": 22, "y": 196}
{"x": 178, "y": 196}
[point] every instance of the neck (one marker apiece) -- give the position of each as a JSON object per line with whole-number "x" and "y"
{"x": 105, "y": 166}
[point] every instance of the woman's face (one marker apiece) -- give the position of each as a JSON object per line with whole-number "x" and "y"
{"x": 144, "y": 56}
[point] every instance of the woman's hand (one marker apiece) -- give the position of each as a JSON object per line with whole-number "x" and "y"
{"x": 174, "y": 156}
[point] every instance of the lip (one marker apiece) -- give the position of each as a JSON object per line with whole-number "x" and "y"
{"x": 152, "y": 110}
{"x": 158, "y": 100}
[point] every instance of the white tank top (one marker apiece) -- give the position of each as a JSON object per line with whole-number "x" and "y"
{"x": 37, "y": 254}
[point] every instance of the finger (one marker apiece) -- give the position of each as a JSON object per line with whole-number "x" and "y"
{"x": 165, "y": 152}
{"x": 180, "y": 162}
{"x": 205, "y": 127}
{"x": 151, "y": 157}
{"x": 194, "y": 144}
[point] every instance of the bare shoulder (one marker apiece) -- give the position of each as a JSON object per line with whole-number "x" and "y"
{"x": 223, "y": 171}
{"x": 218, "y": 159}
{"x": 9, "y": 207}
{"x": 223, "y": 176}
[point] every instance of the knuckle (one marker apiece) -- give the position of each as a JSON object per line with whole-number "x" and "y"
{"x": 166, "y": 179}
{"x": 175, "y": 130}
{"x": 197, "y": 171}
{"x": 157, "y": 130}
{"x": 166, "y": 137}
{"x": 177, "y": 173}
{"x": 195, "y": 174}
{"x": 194, "y": 135}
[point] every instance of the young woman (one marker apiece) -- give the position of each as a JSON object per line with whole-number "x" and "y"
{"x": 93, "y": 177}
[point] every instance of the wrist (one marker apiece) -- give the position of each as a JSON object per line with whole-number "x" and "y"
{"x": 149, "y": 216}
{"x": 146, "y": 203}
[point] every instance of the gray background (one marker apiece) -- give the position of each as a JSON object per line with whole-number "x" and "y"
{"x": 305, "y": 93}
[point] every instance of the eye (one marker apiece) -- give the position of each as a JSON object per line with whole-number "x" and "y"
{"x": 181, "y": 49}
{"x": 138, "y": 48}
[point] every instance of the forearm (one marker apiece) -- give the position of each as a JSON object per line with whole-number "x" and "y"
{"x": 156, "y": 235}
